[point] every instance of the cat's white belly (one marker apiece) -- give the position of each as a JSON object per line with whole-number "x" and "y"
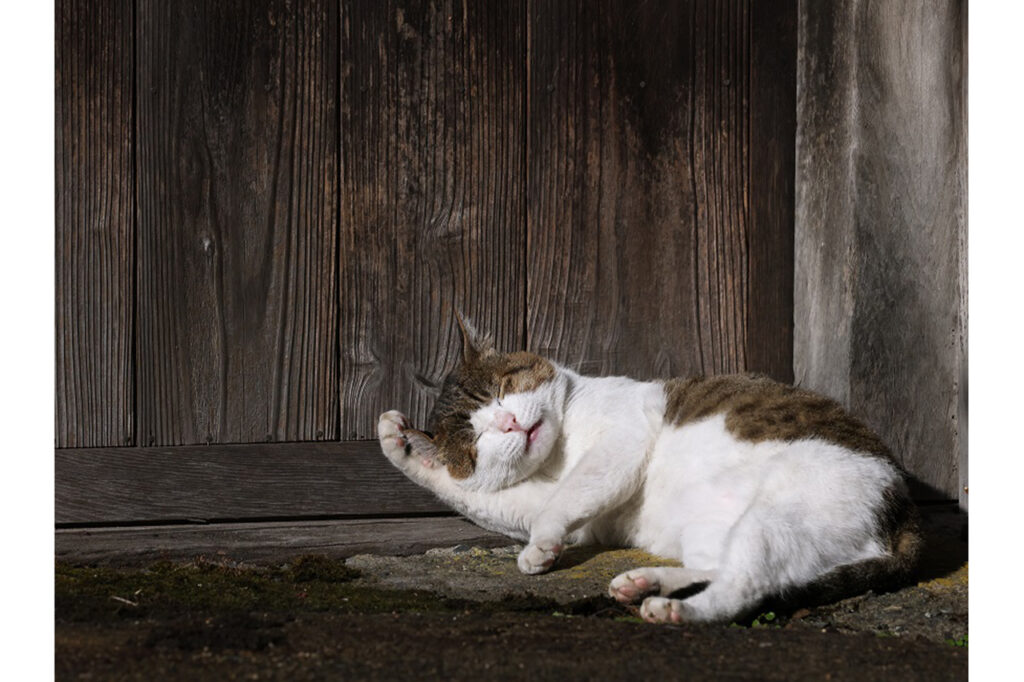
{"x": 701, "y": 482}
{"x": 697, "y": 487}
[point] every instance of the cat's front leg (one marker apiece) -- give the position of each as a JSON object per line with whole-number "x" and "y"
{"x": 605, "y": 478}
{"x": 540, "y": 555}
{"x": 414, "y": 455}
{"x": 548, "y": 537}
{"x": 411, "y": 451}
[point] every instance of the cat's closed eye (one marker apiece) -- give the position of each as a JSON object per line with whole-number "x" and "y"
{"x": 480, "y": 396}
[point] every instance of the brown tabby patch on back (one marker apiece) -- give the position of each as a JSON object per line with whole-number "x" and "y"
{"x": 471, "y": 386}
{"x": 757, "y": 409}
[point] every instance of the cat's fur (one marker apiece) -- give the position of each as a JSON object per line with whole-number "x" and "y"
{"x": 759, "y": 489}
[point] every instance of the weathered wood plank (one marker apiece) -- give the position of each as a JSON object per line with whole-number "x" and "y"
{"x": 769, "y": 313}
{"x": 269, "y": 542}
{"x": 641, "y": 249}
{"x": 237, "y": 158}
{"x": 94, "y": 229}
{"x": 432, "y": 140}
{"x": 611, "y": 186}
{"x": 881, "y": 224}
{"x": 962, "y": 280}
{"x": 230, "y": 482}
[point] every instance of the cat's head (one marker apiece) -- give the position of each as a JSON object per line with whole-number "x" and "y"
{"x": 498, "y": 415}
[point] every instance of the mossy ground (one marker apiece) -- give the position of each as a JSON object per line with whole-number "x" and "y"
{"x": 462, "y": 611}
{"x": 317, "y": 618}
{"x": 311, "y": 583}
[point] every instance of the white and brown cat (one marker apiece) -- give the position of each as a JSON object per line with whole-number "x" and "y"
{"x": 759, "y": 489}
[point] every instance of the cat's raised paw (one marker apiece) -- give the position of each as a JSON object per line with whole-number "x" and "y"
{"x": 631, "y": 586}
{"x": 390, "y": 426}
{"x": 539, "y": 557}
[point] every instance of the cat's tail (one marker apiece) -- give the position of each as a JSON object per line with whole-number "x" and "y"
{"x": 900, "y": 529}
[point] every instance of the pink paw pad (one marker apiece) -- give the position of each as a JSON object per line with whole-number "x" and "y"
{"x": 626, "y": 594}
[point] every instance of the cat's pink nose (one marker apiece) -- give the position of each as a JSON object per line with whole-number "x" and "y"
{"x": 506, "y": 422}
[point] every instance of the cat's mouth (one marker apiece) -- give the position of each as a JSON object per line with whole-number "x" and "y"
{"x": 533, "y": 432}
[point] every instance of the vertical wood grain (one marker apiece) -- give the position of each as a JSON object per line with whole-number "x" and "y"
{"x": 773, "y": 48}
{"x": 825, "y": 197}
{"x": 640, "y": 183}
{"x": 962, "y": 279}
{"x": 237, "y": 164}
{"x": 433, "y": 139}
{"x": 881, "y": 224}
{"x": 911, "y": 193}
{"x": 94, "y": 232}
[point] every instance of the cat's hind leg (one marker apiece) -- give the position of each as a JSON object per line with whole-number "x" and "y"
{"x": 722, "y": 600}
{"x": 742, "y": 577}
{"x": 631, "y": 586}
{"x": 729, "y": 596}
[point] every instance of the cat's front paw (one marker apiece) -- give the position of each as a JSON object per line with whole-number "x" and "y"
{"x": 390, "y": 426}
{"x": 403, "y": 445}
{"x": 539, "y": 556}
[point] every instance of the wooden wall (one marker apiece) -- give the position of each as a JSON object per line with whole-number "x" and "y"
{"x": 881, "y": 232}
{"x": 237, "y": 144}
{"x": 95, "y": 259}
{"x": 433, "y": 130}
{"x": 268, "y": 210}
{"x": 660, "y": 186}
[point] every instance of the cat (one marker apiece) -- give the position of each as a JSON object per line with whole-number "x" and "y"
{"x": 761, "y": 490}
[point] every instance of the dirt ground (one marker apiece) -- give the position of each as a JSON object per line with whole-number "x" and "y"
{"x": 466, "y": 612}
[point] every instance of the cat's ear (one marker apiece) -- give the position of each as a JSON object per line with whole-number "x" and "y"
{"x": 423, "y": 447}
{"x": 474, "y": 344}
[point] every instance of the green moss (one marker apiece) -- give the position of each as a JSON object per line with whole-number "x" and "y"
{"x": 961, "y": 642}
{"x": 957, "y": 578}
{"x": 767, "y": 619}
